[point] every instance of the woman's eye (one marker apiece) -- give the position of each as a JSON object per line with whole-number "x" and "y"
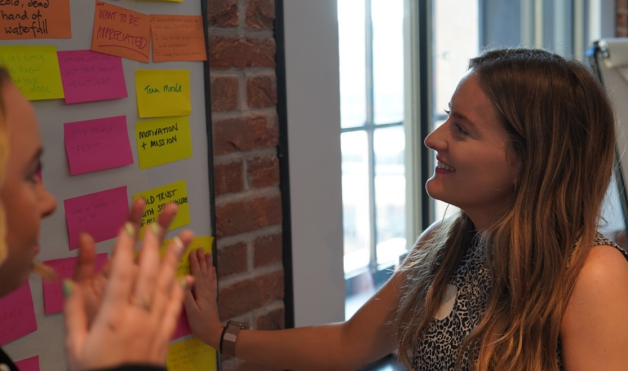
{"x": 460, "y": 129}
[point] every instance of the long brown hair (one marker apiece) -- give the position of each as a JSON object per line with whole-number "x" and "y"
{"x": 561, "y": 126}
{"x": 4, "y": 154}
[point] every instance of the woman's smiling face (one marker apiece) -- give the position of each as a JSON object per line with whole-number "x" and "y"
{"x": 23, "y": 195}
{"x": 476, "y": 167}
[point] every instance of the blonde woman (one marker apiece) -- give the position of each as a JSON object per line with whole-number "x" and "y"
{"x": 519, "y": 279}
{"x": 122, "y": 318}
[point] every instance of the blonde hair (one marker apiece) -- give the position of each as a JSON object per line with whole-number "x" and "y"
{"x": 561, "y": 127}
{"x": 4, "y": 154}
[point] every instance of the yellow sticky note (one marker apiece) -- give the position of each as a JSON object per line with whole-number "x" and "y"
{"x": 163, "y": 93}
{"x": 156, "y": 200}
{"x": 34, "y": 70}
{"x": 191, "y": 355}
{"x": 199, "y": 242}
{"x": 163, "y": 140}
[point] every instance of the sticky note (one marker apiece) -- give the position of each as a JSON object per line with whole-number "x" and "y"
{"x": 17, "y": 314}
{"x": 120, "y": 31}
{"x": 88, "y": 76}
{"x": 156, "y": 200}
{"x": 163, "y": 93}
{"x": 163, "y": 140}
{"x": 28, "y": 364}
{"x": 199, "y": 242}
{"x": 34, "y": 70}
{"x": 53, "y": 292}
{"x": 35, "y": 19}
{"x": 100, "y": 214}
{"x": 99, "y": 144}
{"x": 183, "y": 327}
{"x": 177, "y": 38}
{"x": 190, "y": 355}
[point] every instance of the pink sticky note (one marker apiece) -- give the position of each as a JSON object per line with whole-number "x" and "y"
{"x": 17, "y": 314}
{"x": 53, "y": 293}
{"x": 100, "y": 214}
{"x": 183, "y": 328}
{"x": 88, "y": 76}
{"x": 99, "y": 144}
{"x": 28, "y": 364}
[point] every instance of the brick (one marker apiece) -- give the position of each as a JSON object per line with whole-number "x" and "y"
{"x": 223, "y": 13}
{"x": 240, "y": 52}
{"x": 274, "y": 320}
{"x": 247, "y": 215}
{"x": 224, "y": 93}
{"x": 247, "y": 295}
{"x": 260, "y": 14}
{"x": 263, "y": 171}
{"x": 244, "y": 134}
{"x": 261, "y": 92}
{"x": 622, "y": 32}
{"x": 622, "y": 4}
{"x": 232, "y": 260}
{"x": 621, "y": 19}
{"x": 229, "y": 178}
{"x": 267, "y": 250}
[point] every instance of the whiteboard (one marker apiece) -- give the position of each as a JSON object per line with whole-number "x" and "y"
{"x": 610, "y": 61}
{"x": 47, "y": 341}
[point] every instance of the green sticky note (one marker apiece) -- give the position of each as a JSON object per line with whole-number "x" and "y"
{"x": 34, "y": 70}
{"x": 163, "y": 140}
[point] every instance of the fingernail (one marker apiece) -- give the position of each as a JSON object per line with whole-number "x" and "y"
{"x": 184, "y": 283}
{"x": 156, "y": 229}
{"x": 129, "y": 229}
{"x": 68, "y": 288}
{"x": 178, "y": 245}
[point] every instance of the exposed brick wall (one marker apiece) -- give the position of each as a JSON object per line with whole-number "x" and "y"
{"x": 621, "y": 20}
{"x": 248, "y": 200}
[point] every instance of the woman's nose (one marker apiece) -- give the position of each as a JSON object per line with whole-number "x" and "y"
{"x": 47, "y": 202}
{"x": 436, "y": 140}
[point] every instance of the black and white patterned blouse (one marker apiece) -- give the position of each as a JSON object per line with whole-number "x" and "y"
{"x": 462, "y": 309}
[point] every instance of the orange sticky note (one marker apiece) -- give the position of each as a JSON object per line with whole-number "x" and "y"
{"x": 122, "y": 32}
{"x": 35, "y": 19}
{"x": 177, "y": 38}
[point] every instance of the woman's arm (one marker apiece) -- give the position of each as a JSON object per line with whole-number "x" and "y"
{"x": 367, "y": 336}
{"x": 594, "y": 330}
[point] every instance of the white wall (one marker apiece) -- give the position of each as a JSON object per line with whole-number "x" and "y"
{"x": 313, "y": 100}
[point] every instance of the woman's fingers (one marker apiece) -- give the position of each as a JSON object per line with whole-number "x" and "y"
{"x": 148, "y": 268}
{"x": 86, "y": 262}
{"x": 122, "y": 271}
{"x": 75, "y": 319}
{"x": 165, "y": 280}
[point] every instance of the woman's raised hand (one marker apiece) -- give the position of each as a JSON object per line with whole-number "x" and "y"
{"x": 140, "y": 305}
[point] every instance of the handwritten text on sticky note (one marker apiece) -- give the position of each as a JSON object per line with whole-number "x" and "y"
{"x": 191, "y": 355}
{"x": 97, "y": 144}
{"x": 100, "y": 214}
{"x": 35, "y": 19}
{"x": 156, "y": 200}
{"x": 162, "y": 93}
{"x": 17, "y": 314}
{"x": 177, "y": 38}
{"x": 120, "y": 31}
{"x": 163, "y": 140}
{"x": 53, "y": 293}
{"x": 34, "y": 70}
{"x": 88, "y": 76}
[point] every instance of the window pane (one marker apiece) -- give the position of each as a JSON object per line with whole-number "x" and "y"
{"x": 355, "y": 200}
{"x": 387, "y": 16}
{"x": 456, "y": 40}
{"x": 351, "y": 26}
{"x": 390, "y": 194}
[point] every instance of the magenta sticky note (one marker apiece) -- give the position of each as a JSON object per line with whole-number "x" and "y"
{"x": 28, "y": 364}
{"x": 53, "y": 293}
{"x": 17, "y": 314}
{"x": 183, "y": 328}
{"x": 99, "y": 144}
{"x": 100, "y": 214}
{"x": 88, "y": 76}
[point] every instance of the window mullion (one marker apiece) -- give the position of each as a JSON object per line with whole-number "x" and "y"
{"x": 370, "y": 128}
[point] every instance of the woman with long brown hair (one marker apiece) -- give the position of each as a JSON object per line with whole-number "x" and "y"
{"x": 519, "y": 279}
